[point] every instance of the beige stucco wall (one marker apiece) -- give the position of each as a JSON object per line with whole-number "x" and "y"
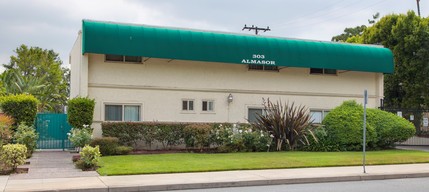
{"x": 159, "y": 85}
{"x": 79, "y": 69}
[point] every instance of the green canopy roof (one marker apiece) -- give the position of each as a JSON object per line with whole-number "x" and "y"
{"x": 186, "y": 44}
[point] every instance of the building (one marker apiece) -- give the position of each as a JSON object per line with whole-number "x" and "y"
{"x": 150, "y": 73}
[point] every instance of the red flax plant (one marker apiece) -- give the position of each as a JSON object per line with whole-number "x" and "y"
{"x": 288, "y": 124}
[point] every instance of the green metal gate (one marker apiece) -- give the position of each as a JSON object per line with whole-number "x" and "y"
{"x": 53, "y": 129}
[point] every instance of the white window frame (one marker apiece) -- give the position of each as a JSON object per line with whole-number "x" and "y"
{"x": 208, "y": 101}
{"x": 323, "y": 112}
{"x": 187, "y": 105}
{"x": 123, "y": 111}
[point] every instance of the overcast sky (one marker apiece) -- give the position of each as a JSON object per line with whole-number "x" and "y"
{"x": 54, "y": 24}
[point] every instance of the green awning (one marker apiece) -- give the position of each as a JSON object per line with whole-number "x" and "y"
{"x": 185, "y": 44}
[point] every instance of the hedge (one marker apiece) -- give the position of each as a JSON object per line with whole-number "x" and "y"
{"x": 224, "y": 136}
{"x": 110, "y": 146}
{"x": 80, "y": 111}
{"x": 22, "y": 108}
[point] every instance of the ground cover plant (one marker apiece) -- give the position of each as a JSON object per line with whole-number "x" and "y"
{"x": 200, "y": 162}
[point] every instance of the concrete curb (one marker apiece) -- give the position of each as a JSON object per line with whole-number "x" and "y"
{"x": 203, "y": 180}
{"x": 264, "y": 182}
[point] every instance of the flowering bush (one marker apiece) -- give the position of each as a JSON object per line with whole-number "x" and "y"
{"x": 240, "y": 138}
{"x": 79, "y": 137}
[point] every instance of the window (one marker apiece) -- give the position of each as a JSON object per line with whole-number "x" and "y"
{"x": 323, "y": 71}
{"x": 317, "y": 116}
{"x": 122, "y": 58}
{"x": 114, "y": 58}
{"x": 208, "y": 106}
{"x": 122, "y": 113}
{"x": 253, "y": 113}
{"x": 263, "y": 67}
{"x": 187, "y": 105}
{"x": 133, "y": 59}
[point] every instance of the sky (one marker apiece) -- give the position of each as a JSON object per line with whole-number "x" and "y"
{"x": 54, "y": 24}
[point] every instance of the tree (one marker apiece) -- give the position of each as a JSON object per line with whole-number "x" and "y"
{"x": 355, "y": 31}
{"x": 37, "y": 71}
{"x": 15, "y": 83}
{"x": 407, "y": 36}
{"x": 349, "y": 32}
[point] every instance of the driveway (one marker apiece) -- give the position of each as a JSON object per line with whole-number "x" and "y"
{"x": 420, "y": 148}
{"x": 51, "y": 164}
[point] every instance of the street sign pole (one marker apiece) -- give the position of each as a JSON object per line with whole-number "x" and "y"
{"x": 365, "y": 95}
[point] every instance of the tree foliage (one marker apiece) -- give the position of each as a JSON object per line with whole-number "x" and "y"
{"x": 349, "y": 32}
{"x": 355, "y": 31}
{"x": 407, "y": 36}
{"x": 37, "y": 71}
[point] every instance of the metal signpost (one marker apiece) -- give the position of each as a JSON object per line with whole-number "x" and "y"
{"x": 365, "y": 95}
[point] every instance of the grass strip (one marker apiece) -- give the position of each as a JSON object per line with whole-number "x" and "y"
{"x": 195, "y": 162}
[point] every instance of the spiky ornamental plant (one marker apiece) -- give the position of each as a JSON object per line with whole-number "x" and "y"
{"x": 288, "y": 124}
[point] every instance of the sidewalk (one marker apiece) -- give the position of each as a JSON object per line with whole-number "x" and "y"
{"x": 51, "y": 164}
{"x": 215, "y": 179}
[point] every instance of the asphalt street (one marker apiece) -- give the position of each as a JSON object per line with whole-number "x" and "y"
{"x": 394, "y": 185}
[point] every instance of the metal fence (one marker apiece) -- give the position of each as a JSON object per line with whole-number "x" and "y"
{"x": 52, "y": 130}
{"x": 419, "y": 117}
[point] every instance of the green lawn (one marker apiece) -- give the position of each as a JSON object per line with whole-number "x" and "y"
{"x": 193, "y": 162}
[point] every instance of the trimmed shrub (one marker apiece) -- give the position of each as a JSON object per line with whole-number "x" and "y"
{"x": 107, "y": 145}
{"x": 27, "y": 136}
{"x": 168, "y": 134}
{"x": 128, "y": 133}
{"x": 344, "y": 127}
{"x": 390, "y": 127}
{"x": 89, "y": 158}
{"x": 80, "y": 111}
{"x": 22, "y": 108}
{"x": 123, "y": 150}
{"x": 197, "y": 135}
{"x": 79, "y": 137}
{"x": 13, "y": 155}
{"x": 6, "y": 123}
